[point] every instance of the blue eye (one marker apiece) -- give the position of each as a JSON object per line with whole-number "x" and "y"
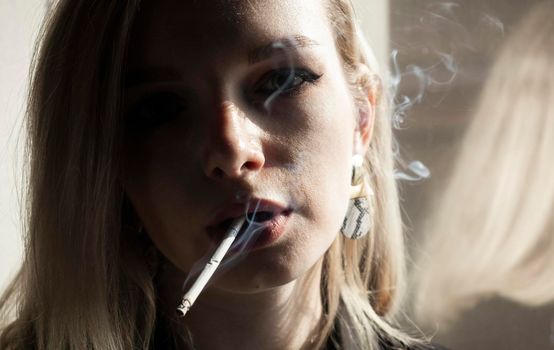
{"x": 153, "y": 110}
{"x": 285, "y": 81}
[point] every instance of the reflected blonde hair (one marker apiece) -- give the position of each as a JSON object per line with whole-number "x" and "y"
{"x": 491, "y": 231}
{"x": 84, "y": 282}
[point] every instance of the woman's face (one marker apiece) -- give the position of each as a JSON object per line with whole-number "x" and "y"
{"x": 230, "y": 103}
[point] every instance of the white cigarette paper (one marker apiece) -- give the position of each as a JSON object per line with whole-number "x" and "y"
{"x": 190, "y": 297}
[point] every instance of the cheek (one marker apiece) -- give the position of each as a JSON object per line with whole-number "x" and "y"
{"x": 156, "y": 187}
{"x": 329, "y": 195}
{"x": 326, "y": 171}
{"x": 159, "y": 171}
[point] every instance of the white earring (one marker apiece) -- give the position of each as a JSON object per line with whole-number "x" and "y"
{"x": 358, "y": 219}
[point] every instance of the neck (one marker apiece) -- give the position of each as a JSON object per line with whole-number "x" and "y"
{"x": 284, "y": 317}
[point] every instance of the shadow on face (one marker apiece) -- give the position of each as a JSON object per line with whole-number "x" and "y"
{"x": 238, "y": 97}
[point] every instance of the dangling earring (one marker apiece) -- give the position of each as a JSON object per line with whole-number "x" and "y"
{"x": 358, "y": 219}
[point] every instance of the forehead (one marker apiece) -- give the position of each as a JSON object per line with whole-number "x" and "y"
{"x": 204, "y": 29}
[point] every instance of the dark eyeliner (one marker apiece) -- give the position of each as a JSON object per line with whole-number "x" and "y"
{"x": 304, "y": 75}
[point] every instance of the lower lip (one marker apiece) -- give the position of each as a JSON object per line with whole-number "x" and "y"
{"x": 265, "y": 233}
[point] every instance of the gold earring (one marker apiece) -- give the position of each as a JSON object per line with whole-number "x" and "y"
{"x": 359, "y": 216}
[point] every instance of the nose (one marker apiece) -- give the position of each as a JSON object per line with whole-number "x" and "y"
{"x": 233, "y": 147}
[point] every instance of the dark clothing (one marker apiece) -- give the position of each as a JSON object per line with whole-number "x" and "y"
{"x": 426, "y": 346}
{"x": 420, "y": 347}
{"x": 164, "y": 341}
{"x": 384, "y": 344}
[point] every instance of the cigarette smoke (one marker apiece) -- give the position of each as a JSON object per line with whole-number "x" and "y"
{"x": 240, "y": 246}
{"x": 438, "y": 35}
{"x": 438, "y": 76}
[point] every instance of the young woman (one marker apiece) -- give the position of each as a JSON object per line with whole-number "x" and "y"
{"x": 490, "y": 233}
{"x": 152, "y": 124}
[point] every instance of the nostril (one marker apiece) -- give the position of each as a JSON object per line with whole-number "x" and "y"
{"x": 231, "y": 162}
{"x": 250, "y": 166}
{"x": 217, "y": 173}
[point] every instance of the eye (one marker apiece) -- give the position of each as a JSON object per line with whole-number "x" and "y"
{"x": 285, "y": 81}
{"x": 153, "y": 110}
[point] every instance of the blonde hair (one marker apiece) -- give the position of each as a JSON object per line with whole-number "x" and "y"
{"x": 490, "y": 233}
{"x": 84, "y": 282}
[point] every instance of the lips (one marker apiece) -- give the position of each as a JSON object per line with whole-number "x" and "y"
{"x": 258, "y": 210}
{"x": 269, "y": 214}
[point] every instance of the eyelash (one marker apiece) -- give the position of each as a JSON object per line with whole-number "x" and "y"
{"x": 290, "y": 89}
{"x": 154, "y": 110}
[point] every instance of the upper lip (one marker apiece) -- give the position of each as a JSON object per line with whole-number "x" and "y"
{"x": 235, "y": 210}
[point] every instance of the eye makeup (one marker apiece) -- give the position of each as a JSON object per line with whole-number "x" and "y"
{"x": 286, "y": 81}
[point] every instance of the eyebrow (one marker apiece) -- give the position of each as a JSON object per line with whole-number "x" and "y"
{"x": 294, "y": 42}
{"x": 163, "y": 73}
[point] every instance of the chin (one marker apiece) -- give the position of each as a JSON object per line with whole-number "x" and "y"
{"x": 261, "y": 271}
{"x": 247, "y": 277}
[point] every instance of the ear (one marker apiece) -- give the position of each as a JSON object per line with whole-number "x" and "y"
{"x": 364, "y": 129}
{"x": 368, "y": 87}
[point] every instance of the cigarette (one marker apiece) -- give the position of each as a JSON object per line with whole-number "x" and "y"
{"x": 190, "y": 297}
